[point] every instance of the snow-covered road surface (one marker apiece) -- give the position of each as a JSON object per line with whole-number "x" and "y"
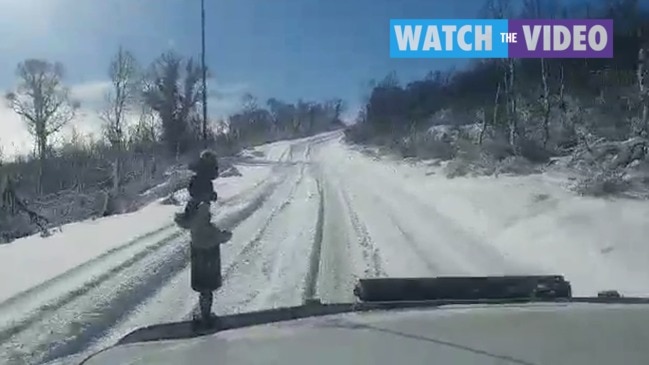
{"x": 309, "y": 217}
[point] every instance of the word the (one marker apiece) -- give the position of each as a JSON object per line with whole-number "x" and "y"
{"x": 508, "y": 37}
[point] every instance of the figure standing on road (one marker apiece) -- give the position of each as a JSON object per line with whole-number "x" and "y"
{"x": 206, "y": 238}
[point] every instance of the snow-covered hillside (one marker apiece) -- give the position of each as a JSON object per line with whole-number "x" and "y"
{"x": 310, "y": 217}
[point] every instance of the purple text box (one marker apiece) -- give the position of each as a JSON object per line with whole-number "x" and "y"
{"x": 561, "y": 38}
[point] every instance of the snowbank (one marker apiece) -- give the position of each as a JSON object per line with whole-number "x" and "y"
{"x": 531, "y": 220}
{"x": 32, "y": 260}
{"x": 29, "y": 261}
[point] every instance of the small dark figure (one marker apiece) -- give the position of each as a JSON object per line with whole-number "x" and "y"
{"x": 200, "y": 187}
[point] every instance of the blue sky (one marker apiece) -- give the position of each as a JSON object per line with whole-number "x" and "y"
{"x": 283, "y": 48}
{"x": 289, "y": 49}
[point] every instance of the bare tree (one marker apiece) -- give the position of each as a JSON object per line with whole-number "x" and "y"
{"x": 43, "y": 102}
{"x": 512, "y": 109}
{"x": 143, "y": 137}
{"x": 643, "y": 63}
{"x": 338, "y": 106}
{"x": 145, "y": 130}
{"x": 11, "y": 203}
{"x": 249, "y": 102}
{"x": 174, "y": 93}
{"x": 502, "y": 9}
{"x": 534, "y": 9}
{"x": 630, "y": 11}
{"x": 124, "y": 76}
{"x": 494, "y": 118}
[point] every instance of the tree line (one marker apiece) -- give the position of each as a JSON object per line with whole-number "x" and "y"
{"x": 535, "y": 107}
{"x": 151, "y": 120}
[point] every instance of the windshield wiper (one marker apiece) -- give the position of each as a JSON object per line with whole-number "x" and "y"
{"x": 463, "y": 287}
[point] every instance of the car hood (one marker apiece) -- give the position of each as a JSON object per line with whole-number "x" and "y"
{"x": 570, "y": 333}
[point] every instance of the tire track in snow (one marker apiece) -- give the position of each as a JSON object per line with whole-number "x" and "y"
{"x": 442, "y": 246}
{"x": 91, "y": 316}
{"x": 347, "y": 250}
{"x": 254, "y": 242}
{"x": 171, "y": 300}
{"x": 274, "y": 274}
{"x": 241, "y": 196}
{"x": 407, "y": 236}
{"x": 314, "y": 259}
{"x": 24, "y": 299}
{"x": 94, "y": 311}
{"x": 371, "y": 253}
{"x": 292, "y": 149}
{"x": 400, "y": 240}
{"x": 337, "y": 266}
{"x": 44, "y": 311}
{"x": 480, "y": 258}
{"x": 107, "y": 259}
{"x": 246, "y": 253}
{"x": 413, "y": 244}
{"x": 286, "y": 159}
{"x": 287, "y": 155}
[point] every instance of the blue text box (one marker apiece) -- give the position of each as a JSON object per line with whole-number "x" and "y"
{"x": 409, "y": 38}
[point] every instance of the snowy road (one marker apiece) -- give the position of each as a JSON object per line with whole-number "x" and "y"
{"x": 309, "y": 218}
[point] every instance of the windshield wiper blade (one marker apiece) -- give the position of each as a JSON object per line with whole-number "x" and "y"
{"x": 463, "y": 287}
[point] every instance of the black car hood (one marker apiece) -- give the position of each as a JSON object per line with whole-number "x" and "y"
{"x": 555, "y": 334}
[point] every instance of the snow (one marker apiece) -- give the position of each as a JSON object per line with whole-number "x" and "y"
{"x": 309, "y": 217}
{"x": 80, "y": 242}
{"x": 276, "y": 151}
{"x": 532, "y": 222}
{"x": 32, "y": 260}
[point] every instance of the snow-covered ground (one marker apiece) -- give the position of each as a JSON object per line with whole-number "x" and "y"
{"x": 309, "y": 217}
{"x": 510, "y": 224}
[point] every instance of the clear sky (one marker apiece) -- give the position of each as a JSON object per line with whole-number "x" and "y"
{"x": 282, "y": 48}
{"x": 287, "y": 49}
